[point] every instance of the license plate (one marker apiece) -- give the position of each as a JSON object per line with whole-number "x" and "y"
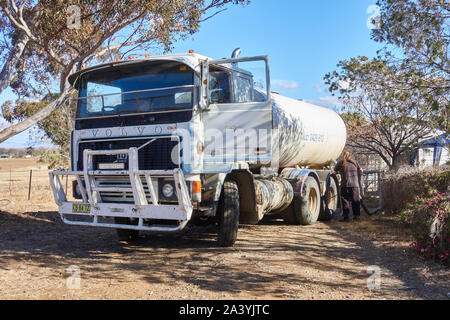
{"x": 81, "y": 208}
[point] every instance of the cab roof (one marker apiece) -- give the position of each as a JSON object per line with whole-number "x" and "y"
{"x": 190, "y": 59}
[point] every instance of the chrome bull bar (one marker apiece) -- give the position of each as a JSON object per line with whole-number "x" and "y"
{"x": 93, "y": 207}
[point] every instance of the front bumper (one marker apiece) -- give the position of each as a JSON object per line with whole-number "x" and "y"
{"x": 146, "y": 205}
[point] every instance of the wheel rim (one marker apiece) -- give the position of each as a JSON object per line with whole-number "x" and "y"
{"x": 312, "y": 200}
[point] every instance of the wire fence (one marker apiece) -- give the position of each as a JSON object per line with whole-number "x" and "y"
{"x": 28, "y": 183}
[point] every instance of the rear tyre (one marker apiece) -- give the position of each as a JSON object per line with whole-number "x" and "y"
{"x": 330, "y": 202}
{"x": 125, "y": 234}
{"x": 228, "y": 214}
{"x": 309, "y": 203}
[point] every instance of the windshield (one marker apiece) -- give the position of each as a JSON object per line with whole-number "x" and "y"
{"x": 132, "y": 89}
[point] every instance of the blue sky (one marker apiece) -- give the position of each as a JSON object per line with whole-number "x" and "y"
{"x": 304, "y": 39}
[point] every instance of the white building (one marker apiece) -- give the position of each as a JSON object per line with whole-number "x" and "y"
{"x": 432, "y": 152}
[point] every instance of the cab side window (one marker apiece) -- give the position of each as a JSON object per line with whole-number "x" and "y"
{"x": 243, "y": 89}
{"x": 219, "y": 87}
{"x": 232, "y": 81}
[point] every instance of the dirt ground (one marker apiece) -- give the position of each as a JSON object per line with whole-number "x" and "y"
{"x": 270, "y": 261}
{"x": 41, "y": 258}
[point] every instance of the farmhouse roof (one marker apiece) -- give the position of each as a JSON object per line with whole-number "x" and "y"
{"x": 439, "y": 141}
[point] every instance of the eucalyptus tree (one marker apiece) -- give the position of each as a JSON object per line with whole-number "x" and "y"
{"x": 45, "y": 41}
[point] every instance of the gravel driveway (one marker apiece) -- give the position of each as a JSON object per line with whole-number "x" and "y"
{"x": 40, "y": 257}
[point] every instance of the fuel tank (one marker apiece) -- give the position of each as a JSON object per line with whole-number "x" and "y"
{"x": 308, "y": 135}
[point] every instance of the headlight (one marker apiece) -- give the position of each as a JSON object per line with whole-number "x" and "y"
{"x": 167, "y": 190}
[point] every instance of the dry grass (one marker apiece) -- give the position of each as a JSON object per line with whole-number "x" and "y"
{"x": 23, "y": 164}
{"x": 14, "y": 186}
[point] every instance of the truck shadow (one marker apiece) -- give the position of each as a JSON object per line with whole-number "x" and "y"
{"x": 270, "y": 260}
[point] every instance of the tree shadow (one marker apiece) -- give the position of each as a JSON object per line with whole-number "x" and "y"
{"x": 385, "y": 249}
{"x": 268, "y": 259}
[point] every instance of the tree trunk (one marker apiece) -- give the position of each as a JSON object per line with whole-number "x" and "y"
{"x": 8, "y": 72}
{"x": 395, "y": 163}
{"x": 35, "y": 118}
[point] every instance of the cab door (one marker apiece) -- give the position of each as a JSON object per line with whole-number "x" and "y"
{"x": 237, "y": 110}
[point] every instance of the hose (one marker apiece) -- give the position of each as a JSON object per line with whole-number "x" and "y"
{"x": 370, "y": 213}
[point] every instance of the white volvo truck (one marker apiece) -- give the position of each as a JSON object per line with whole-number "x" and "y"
{"x": 167, "y": 140}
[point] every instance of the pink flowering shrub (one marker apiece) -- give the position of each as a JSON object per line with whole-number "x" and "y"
{"x": 427, "y": 215}
{"x": 399, "y": 188}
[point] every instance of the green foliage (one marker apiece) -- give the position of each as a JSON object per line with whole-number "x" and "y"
{"x": 21, "y": 153}
{"x": 57, "y": 126}
{"x": 108, "y": 29}
{"x": 382, "y": 117}
{"x": 353, "y": 119}
{"x": 127, "y": 26}
{"x": 57, "y": 159}
{"x": 420, "y": 28}
{"x": 403, "y": 96}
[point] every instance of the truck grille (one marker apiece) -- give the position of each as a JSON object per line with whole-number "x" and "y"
{"x": 154, "y": 156}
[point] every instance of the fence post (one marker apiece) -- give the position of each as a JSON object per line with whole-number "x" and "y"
{"x": 29, "y": 185}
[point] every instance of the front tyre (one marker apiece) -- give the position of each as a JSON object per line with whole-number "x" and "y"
{"x": 228, "y": 214}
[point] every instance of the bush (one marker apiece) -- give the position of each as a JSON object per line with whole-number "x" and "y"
{"x": 425, "y": 197}
{"x": 57, "y": 159}
{"x": 399, "y": 188}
